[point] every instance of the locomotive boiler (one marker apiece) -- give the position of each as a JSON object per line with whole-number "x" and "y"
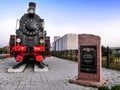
{"x": 30, "y": 41}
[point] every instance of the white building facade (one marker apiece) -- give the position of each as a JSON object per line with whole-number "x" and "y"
{"x": 67, "y": 42}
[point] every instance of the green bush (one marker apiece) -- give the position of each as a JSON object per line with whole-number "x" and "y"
{"x": 103, "y": 88}
{"x": 116, "y": 87}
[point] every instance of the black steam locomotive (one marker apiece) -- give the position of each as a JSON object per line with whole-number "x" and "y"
{"x": 30, "y": 41}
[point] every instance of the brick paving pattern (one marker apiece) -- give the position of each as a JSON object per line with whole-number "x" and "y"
{"x": 60, "y": 71}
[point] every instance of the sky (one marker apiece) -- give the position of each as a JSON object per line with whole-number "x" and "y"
{"x": 99, "y": 17}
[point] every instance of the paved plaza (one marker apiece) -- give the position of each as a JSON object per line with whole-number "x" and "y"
{"x": 56, "y": 78}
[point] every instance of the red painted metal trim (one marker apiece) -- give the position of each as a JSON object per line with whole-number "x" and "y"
{"x": 21, "y": 52}
{"x": 39, "y": 58}
{"x": 19, "y": 48}
{"x": 39, "y": 48}
{"x": 19, "y": 58}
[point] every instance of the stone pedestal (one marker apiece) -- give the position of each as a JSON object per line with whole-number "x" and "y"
{"x": 89, "y": 61}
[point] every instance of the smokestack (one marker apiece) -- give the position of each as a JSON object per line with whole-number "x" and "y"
{"x": 32, "y": 4}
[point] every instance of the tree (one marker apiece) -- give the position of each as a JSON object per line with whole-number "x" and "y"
{"x": 2, "y": 50}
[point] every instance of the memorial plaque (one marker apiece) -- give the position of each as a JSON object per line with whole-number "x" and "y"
{"x": 88, "y": 59}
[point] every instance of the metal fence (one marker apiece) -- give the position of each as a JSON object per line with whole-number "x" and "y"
{"x": 67, "y": 54}
{"x": 109, "y": 60}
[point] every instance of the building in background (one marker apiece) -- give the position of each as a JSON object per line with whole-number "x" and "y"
{"x": 66, "y": 42}
{"x": 56, "y": 38}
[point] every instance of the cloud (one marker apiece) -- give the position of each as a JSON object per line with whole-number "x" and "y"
{"x": 108, "y": 30}
{"x": 61, "y": 20}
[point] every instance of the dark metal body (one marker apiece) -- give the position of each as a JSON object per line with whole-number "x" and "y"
{"x": 30, "y": 32}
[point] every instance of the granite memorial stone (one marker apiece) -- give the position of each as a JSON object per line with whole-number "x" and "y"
{"x": 89, "y": 61}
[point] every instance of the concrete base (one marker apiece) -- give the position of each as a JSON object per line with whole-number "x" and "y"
{"x": 20, "y": 69}
{"x": 37, "y": 69}
{"x": 87, "y": 82}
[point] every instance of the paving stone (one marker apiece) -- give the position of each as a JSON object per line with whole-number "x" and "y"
{"x": 56, "y": 78}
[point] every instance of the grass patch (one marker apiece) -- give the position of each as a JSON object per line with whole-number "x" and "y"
{"x": 116, "y": 87}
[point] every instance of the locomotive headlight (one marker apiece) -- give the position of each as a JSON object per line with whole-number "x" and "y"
{"x": 42, "y": 41}
{"x": 18, "y": 40}
{"x": 31, "y": 10}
